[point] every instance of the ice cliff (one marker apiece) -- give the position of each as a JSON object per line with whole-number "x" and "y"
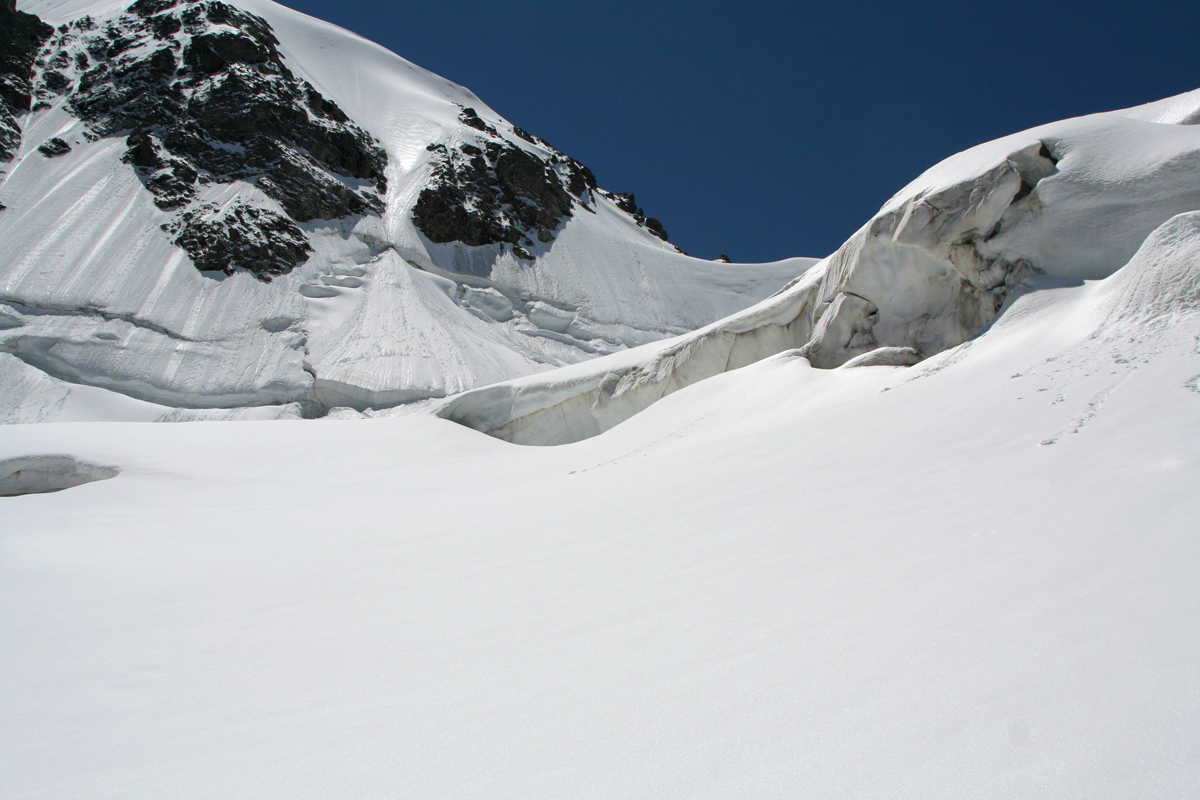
{"x": 1074, "y": 199}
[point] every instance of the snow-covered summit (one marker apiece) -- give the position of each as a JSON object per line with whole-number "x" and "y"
{"x": 221, "y": 205}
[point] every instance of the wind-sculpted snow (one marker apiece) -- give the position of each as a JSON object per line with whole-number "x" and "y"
{"x": 1074, "y": 199}
{"x": 1159, "y": 285}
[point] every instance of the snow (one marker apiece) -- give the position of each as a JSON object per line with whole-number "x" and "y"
{"x": 971, "y": 577}
{"x": 81, "y": 244}
{"x": 959, "y": 562}
{"x": 1073, "y": 199}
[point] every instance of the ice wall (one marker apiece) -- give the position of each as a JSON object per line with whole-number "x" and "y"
{"x": 1074, "y": 199}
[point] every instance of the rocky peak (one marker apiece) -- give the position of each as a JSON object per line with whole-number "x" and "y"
{"x": 202, "y": 95}
{"x": 490, "y": 191}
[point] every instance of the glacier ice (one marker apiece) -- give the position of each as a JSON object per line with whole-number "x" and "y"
{"x": 1073, "y": 199}
{"x": 42, "y": 474}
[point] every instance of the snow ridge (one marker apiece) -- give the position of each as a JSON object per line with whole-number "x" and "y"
{"x": 929, "y": 272}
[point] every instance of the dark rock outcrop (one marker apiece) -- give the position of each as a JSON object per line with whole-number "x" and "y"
{"x": 499, "y": 193}
{"x": 255, "y": 239}
{"x": 471, "y": 119}
{"x": 626, "y": 202}
{"x": 202, "y": 95}
{"x": 495, "y": 192}
{"x": 21, "y": 37}
{"x": 54, "y": 147}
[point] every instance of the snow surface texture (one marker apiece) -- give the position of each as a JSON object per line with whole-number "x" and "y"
{"x": 965, "y": 573}
{"x": 94, "y": 294}
{"x": 974, "y": 577}
{"x": 1073, "y": 199}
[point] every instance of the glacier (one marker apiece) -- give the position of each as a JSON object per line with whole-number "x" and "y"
{"x": 914, "y": 520}
{"x": 970, "y": 576}
{"x": 1073, "y": 199}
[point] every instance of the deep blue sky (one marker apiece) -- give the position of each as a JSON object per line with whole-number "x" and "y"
{"x": 776, "y": 129}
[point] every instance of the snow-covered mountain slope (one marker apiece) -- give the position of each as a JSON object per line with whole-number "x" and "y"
{"x": 1073, "y": 199}
{"x": 958, "y": 560}
{"x": 974, "y": 577}
{"x": 215, "y": 205}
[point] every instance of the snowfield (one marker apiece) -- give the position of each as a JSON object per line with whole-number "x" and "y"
{"x": 974, "y": 577}
{"x": 923, "y": 523}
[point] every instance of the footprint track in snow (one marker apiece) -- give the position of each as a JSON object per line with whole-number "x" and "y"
{"x": 1089, "y": 413}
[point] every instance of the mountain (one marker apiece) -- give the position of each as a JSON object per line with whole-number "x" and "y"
{"x": 216, "y": 206}
{"x": 922, "y": 523}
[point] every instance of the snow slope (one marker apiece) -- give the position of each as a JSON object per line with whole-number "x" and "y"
{"x": 974, "y": 577}
{"x": 94, "y": 294}
{"x": 741, "y": 575}
{"x": 1073, "y": 199}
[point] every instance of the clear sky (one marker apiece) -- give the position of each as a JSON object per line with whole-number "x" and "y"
{"x": 773, "y": 129}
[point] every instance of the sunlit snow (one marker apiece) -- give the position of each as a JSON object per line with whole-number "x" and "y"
{"x": 737, "y": 575}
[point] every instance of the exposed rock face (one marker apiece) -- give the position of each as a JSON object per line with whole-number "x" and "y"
{"x": 627, "y": 203}
{"x": 217, "y": 239}
{"x": 493, "y": 192}
{"x": 471, "y": 118}
{"x": 21, "y": 37}
{"x": 203, "y": 95}
{"x": 498, "y": 192}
